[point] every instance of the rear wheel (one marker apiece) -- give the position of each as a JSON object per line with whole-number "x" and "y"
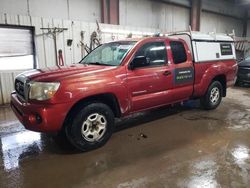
{"x": 91, "y": 127}
{"x": 213, "y": 96}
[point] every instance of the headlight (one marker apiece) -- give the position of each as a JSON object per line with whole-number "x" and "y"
{"x": 43, "y": 90}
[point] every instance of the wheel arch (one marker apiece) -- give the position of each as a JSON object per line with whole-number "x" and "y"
{"x": 222, "y": 79}
{"x": 107, "y": 98}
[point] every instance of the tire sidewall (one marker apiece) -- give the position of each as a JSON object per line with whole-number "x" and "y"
{"x": 73, "y": 131}
{"x": 208, "y": 103}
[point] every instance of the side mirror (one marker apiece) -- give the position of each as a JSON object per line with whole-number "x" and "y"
{"x": 139, "y": 61}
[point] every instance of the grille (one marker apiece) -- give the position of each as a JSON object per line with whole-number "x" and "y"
{"x": 19, "y": 87}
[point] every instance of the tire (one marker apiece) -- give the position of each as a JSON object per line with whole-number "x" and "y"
{"x": 237, "y": 82}
{"x": 62, "y": 142}
{"x": 213, "y": 96}
{"x": 91, "y": 127}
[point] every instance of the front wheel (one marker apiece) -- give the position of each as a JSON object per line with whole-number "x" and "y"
{"x": 91, "y": 127}
{"x": 213, "y": 96}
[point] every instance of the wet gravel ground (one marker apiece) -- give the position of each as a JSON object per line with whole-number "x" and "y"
{"x": 182, "y": 146}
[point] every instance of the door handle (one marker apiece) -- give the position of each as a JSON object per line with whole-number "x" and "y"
{"x": 166, "y": 73}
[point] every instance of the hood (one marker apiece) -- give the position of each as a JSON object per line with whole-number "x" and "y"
{"x": 58, "y": 73}
{"x": 244, "y": 63}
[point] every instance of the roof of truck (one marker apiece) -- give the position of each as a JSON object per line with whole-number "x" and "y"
{"x": 206, "y": 36}
{"x": 149, "y": 38}
{"x": 194, "y": 35}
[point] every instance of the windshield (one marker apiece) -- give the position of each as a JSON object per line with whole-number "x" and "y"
{"x": 245, "y": 62}
{"x": 248, "y": 58}
{"x": 110, "y": 54}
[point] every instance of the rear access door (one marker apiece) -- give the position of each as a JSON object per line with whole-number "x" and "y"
{"x": 183, "y": 70}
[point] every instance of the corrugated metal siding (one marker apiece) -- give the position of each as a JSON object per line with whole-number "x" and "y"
{"x": 85, "y": 10}
{"x": 165, "y": 17}
{"x": 248, "y": 28}
{"x": 7, "y": 85}
{"x": 7, "y": 77}
{"x": 220, "y": 24}
{"x": 45, "y": 44}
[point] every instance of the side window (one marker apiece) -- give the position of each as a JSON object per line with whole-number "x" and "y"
{"x": 178, "y": 51}
{"x": 154, "y": 52}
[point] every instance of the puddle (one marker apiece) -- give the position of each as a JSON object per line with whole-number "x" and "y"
{"x": 238, "y": 120}
{"x": 18, "y": 146}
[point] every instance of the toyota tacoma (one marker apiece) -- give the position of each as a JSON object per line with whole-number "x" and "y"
{"x": 120, "y": 78}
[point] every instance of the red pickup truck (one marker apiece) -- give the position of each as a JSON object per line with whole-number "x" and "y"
{"x": 120, "y": 78}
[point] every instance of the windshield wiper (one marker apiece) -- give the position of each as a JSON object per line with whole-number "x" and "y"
{"x": 97, "y": 63}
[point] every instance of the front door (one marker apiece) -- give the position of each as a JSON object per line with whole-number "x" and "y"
{"x": 150, "y": 83}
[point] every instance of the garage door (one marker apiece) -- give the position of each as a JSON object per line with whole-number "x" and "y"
{"x": 16, "y": 48}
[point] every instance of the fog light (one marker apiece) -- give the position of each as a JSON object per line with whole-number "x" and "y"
{"x": 38, "y": 119}
{"x": 35, "y": 119}
{"x": 32, "y": 119}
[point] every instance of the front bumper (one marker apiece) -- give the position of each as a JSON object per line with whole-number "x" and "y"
{"x": 39, "y": 117}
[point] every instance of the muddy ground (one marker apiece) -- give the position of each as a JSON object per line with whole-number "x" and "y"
{"x": 182, "y": 146}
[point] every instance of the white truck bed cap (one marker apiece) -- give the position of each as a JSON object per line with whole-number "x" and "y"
{"x": 206, "y": 47}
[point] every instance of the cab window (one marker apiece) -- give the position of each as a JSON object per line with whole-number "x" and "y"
{"x": 154, "y": 52}
{"x": 178, "y": 51}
